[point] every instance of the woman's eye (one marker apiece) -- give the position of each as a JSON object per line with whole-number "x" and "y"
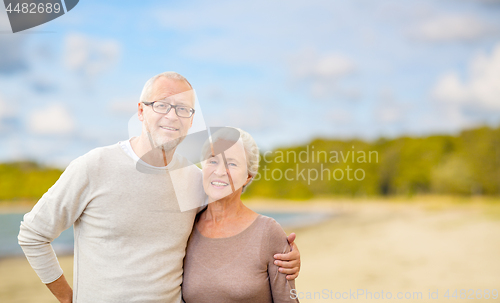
{"x": 233, "y": 164}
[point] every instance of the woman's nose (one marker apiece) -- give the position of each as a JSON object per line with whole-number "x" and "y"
{"x": 220, "y": 170}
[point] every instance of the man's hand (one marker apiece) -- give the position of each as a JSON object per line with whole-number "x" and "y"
{"x": 289, "y": 263}
{"x": 61, "y": 290}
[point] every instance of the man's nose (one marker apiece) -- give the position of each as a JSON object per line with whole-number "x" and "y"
{"x": 171, "y": 114}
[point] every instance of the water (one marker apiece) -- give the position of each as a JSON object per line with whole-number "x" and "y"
{"x": 290, "y": 220}
{"x": 9, "y": 229}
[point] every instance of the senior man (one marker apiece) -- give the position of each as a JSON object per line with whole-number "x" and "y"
{"x": 130, "y": 231}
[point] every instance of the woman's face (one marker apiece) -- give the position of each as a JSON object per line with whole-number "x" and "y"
{"x": 216, "y": 182}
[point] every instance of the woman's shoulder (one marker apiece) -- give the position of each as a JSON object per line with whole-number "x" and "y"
{"x": 273, "y": 239}
{"x": 271, "y": 227}
{"x": 270, "y": 222}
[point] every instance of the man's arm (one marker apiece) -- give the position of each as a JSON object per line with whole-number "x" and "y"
{"x": 289, "y": 263}
{"x": 61, "y": 290}
{"x": 55, "y": 212}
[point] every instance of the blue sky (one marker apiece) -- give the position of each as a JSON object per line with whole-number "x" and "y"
{"x": 285, "y": 71}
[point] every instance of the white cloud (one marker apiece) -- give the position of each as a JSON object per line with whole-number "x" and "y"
{"x": 53, "y": 120}
{"x": 5, "y": 109}
{"x": 481, "y": 89}
{"x": 445, "y": 118}
{"x": 322, "y": 72}
{"x": 250, "y": 113}
{"x": 389, "y": 114}
{"x": 51, "y": 151}
{"x": 308, "y": 64}
{"x": 389, "y": 110}
{"x": 450, "y": 89}
{"x": 90, "y": 56}
{"x": 251, "y": 32}
{"x": 8, "y": 117}
{"x": 339, "y": 116}
{"x": 449, "y": 28}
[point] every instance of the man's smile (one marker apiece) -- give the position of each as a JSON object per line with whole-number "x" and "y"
{"x": 169, "y": 128}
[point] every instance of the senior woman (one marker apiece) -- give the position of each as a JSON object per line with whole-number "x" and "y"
{"x": 230, "y": 252}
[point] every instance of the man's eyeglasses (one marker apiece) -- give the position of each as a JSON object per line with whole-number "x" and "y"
{"x": 164, "y": 108}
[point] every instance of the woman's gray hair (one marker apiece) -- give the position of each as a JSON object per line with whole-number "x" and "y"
{"x": 251, "y": 148}
{"x": 148, "y": 87}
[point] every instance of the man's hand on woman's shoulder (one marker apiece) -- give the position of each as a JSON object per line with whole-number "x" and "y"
{"x": 289, "y": 263}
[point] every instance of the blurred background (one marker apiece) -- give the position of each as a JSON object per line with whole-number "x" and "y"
{"x": 414, "y": 86}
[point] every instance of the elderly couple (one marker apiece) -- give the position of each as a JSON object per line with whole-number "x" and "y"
{"x": 135, "y": 242}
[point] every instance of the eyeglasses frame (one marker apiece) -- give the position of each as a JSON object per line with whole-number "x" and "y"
{"x": 147, "y": 103}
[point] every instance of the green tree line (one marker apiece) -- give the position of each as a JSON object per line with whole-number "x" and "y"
{"x": 25, "y": 180}
{"x": 465, "y": 164}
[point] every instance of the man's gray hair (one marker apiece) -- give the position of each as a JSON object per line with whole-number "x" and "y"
{"x": 148, "y": 87}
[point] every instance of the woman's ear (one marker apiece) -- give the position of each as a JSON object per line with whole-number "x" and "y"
{"x": 249, "y": 178}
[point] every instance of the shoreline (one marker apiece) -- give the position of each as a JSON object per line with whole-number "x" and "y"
{"x": 320, "y": 203}
{"x": 21, "y": 207}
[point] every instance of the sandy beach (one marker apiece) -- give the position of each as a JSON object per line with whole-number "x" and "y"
{"x": 20, "y": 284}
{"x": 406, "y": 249}
{"x": 398, "y": 247}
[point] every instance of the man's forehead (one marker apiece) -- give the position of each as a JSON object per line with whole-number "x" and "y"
{"x": 178, "y": 90}
{"x": 176, "y": 85}
{"x": 182, "y": 98}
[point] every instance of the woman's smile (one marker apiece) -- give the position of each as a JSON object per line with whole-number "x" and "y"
{"x": 219, "y": 184}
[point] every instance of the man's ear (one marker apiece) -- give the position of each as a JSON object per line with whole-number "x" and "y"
{"x": 140, "y": 111}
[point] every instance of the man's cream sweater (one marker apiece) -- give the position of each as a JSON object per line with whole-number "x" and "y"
{"x": 130, "y": 234}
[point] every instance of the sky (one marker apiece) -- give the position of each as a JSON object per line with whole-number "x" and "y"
{"x": 284, "y": 71}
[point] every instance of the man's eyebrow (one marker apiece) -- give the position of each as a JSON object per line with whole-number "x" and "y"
{"x": 177, "y": 102}
{"x": 172, "y": 100}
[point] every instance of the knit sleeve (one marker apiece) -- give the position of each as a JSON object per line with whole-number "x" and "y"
{"x": 276, "y": 242}
{"x": 55, "y": 212}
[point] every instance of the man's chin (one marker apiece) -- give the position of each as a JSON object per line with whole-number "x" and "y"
{"x": 168, "y": 144}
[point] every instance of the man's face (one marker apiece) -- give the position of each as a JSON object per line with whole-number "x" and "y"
{"x": 167, "y": 130}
